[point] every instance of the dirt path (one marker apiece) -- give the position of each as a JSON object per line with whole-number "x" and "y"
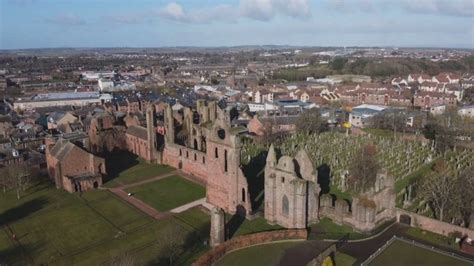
{"x": 146, "y": 181}
{"x": 360, "y": 249}
{"x": 147, "y": 209}
{"x": 142, "y": 206}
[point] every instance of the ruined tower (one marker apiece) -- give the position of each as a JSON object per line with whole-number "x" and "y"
{"x": 169, "y": 124}
{"x": 291, "y": 190}
{"x": 151, "y": 133}
{"x": 217, "y": 226}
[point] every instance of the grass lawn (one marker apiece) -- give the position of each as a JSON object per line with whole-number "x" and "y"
{"x": 56, "y": 227}
{"x": 379, "y": 132}
{"x": 168, "y": 193}
{"x": 261, "y": 255}
{"x": 256, "y": 225}
{"x": 124, "y": 168}
{"x": 402, "y": 253}
{"x": 431, "y": 237}
{"x": 343, "y": 259}
{"x": 327, "y": 229}
{"x": 421, "y": 172}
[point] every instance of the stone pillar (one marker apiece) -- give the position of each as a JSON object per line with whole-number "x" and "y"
{"x": 151, "y": 133}
{"x": 217, "y": 226}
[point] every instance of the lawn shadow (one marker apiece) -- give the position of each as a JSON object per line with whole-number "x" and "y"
{"x": 235, "y": 222}
{"x": 324, "y": 178}
{"x": 16, "y": 255}
{"x": 254, "y": 172}
{"x": 22, "y": 211}
{"x": 118, "y": 161}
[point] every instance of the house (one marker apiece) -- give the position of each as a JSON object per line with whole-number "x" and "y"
{"x": 263, "y": 95}
{"x": 419, "y": 78}
{"x": 429, "y": 86}
{"x": 438, "y": 109}
{"x": 399, "y": 81}
{"x": 456, "y": 90}
{"x": 440, "y": 78}
{"x": 454, "y": 78}
{"x": 426, "y": 99}
{"x": 272, "y": 124}
{"x": 467, "y": 111}
{"x": 360, "y": 115}
{"x": 58, "y": 120}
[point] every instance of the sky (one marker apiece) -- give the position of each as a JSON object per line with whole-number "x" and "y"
{"x": 159, "y": 23}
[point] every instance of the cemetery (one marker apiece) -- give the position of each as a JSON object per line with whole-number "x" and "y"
{"x": 333, "y": 152}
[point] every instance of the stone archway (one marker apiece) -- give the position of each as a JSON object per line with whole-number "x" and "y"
{"x": 405, "y": 219}
{"x": 96, "y": 184}
{"x": 180, "y": 165}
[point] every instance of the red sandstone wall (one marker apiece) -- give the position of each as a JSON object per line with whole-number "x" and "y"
{"x": 248, "y": 240}
{"x": 433, "y": 225}
{"x": 191, "y": 161}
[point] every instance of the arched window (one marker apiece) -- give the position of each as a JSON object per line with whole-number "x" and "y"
{"x": 187, "y": 154}
{"x": 195, "y": 144}
{"x": 285, "y": 206}
{"x": 203, "y": 160}
{"x": 195, "y": 157}
{"x": 217, "y": 153}
{"x": 243, "y": 194}
{"x": 180, "y": 152}
{"x": 225, "y": 160}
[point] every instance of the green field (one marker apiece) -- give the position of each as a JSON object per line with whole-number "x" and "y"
{"x": 261, "y": 255}
{"x": 402, "y": 253}
{"x": 343, "y": 259}
{"x": 327, "y": 229}
{"x": 55, "y": 227}
{"x": 247, "y": 226}
{"x": 124, "y": 168}
{"x": 431, "y": 237}
{"x": 168, "y": 193}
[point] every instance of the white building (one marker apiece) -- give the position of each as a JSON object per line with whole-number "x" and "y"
{"x": 466, "y": 111}
{"x": 105, "y": 84}
{"x": 58, "y": 99}
{"x": 438, "y": 109}
{"x": 261, "y": 107}
{"x": 96, "y": 75}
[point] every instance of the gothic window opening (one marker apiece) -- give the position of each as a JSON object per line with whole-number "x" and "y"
{"x": 282, "y": 179}
{"x": 243, "y": 194}
{"x": 187, "y": 154}
{"x": 285, "y": 206}
{"x": 195, "y": 144}
{"x": 203, "y": 160}
{"x": 217, "y": 153}
{"x": 225, "y": 160}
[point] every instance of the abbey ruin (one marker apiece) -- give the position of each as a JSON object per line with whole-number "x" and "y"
{"x": 203, "y": 143}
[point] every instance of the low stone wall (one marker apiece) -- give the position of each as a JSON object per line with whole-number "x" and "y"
{"x": 433, "y": 225}
{"x": 248, "y": 240}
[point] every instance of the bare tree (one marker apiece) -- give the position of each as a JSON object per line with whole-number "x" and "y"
{"x": 5, "y": 181}
{"x": 465, "y": 187}
{"x": 440, "y": 190}
{"x": 17, "y": 177}
{"x": 172, "y": 243}
{"x": 123, "y": 260}
{"x": 310, "y": 121}
{"x": 363, "y": 169}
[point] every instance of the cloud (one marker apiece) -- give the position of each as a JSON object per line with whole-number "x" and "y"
{"x": 22, "y": 2}
{"x": 261, "y": 10}
{"x": 126, "y": 19}
{"x": 464, "y": 8}
{"x": 459, "y": 8}
{"x": 66, "y": 19}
